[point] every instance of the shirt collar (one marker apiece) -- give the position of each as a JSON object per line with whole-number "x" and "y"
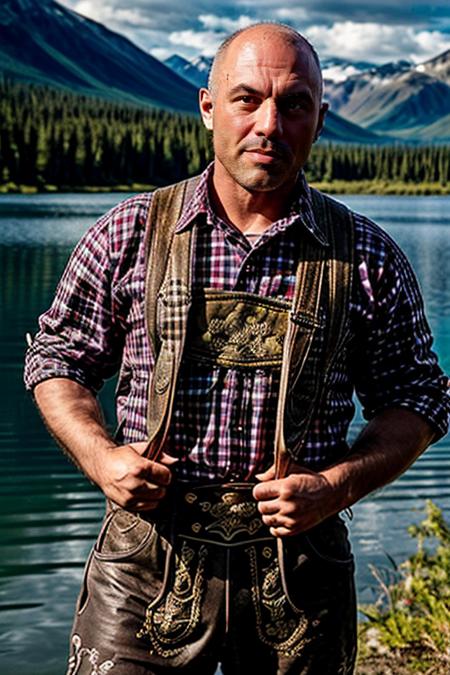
{"x": 301, "y": 211}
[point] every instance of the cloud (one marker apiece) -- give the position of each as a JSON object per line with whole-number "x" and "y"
{"x": 223, "y": 23}
{"x": 202, "y": 42}
{"x": 110, "y": 15}
{"x": 206, "y": 42}
{"x": 162, "y": 53}
{"x": 376, "y": 42}
{"x": 291, "y": 14}
{"x": 431, "y": 43}
{"x": 417, "y": 13}
{"x": 377, "y": 30}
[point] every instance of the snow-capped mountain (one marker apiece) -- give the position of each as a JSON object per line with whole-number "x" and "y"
{"x": 399, "y": 99}
{"x": 439, "y": 67}
{"x": 195, "y": 71}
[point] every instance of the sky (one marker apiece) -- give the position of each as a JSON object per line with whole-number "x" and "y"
{"x": 377, "y": 31}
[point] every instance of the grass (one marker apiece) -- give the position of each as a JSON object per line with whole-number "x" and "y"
{"x": 408, "y": 628}
{"x": 373, "y": 187}
{"x": 13, "y": 188}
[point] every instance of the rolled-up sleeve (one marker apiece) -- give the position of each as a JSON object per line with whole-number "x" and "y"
{"x": 395, "y": 365}
{"x": 79, "y": 337}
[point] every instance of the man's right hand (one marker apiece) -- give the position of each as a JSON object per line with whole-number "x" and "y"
{"x": 130, "y": 480}
{"x": 74, "y": 417}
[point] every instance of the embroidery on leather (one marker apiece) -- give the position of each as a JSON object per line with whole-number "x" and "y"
{"x": 253, "y": 339}
{"x": 173, "y": 620}
{"x": 79, "y": 655}
{"x": 232, "y": 518}
{"x": 238, "y": 331}
{"x": 275, "y": 623}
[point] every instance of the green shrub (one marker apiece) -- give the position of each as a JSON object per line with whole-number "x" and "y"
{"x": 412, "y": 614}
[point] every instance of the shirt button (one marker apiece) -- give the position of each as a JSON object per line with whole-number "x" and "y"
{"x": 240, "y": 428}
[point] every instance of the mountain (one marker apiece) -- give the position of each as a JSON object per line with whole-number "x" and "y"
{"x": 439, "y": 129}
{"x": 338, "y": 70}
{"x": 339, "y": 130}
{"x": 341, "y": 93}
{"x": 439, "y": 67}
{"x": 195, "y": 71}
{"x": 43, "y": 42}
{"x": 397, "y": 99}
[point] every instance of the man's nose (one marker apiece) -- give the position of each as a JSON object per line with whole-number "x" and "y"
{"x": 268, "y": 119}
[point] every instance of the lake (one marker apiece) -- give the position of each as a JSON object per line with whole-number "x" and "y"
{"x": 50, "y": 514}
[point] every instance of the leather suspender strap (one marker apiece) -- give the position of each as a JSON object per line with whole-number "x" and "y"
{"x": 168, "y": 284}
{"x": 323, "y": 272}
{"x": 340, "y": 230}
{"x": 330, "y": 268}
{"x": 304, "y": 320}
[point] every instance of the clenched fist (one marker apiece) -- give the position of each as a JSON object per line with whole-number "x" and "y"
{"x": 293, "y": 504}
{"x": 132, "y": 481}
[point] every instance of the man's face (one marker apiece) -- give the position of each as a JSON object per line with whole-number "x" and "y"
{"x": 265, "y": 110}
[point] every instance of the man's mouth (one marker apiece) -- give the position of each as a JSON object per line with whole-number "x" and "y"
{"x": 264, "y": 155}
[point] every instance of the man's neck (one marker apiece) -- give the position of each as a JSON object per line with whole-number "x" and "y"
{"x": 248, "y": 211}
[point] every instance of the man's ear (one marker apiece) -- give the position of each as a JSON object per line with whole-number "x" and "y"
{"x": 206, "y": 107}
{"x": 321, "y": 121}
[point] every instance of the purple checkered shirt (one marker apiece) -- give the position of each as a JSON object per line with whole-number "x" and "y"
{"x": 224, "y": 418}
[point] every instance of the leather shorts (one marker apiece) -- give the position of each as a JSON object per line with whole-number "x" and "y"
{"x": 201, "y": 581}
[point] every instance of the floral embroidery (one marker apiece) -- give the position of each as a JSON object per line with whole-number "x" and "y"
{"x": 79, "y": 655}
{"x": 277, "y": 625}
{"x": 170, "y": 622}
{"x": 232, "y": 517}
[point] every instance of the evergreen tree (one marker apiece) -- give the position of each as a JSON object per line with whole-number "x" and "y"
{"x": 64, "y": 139}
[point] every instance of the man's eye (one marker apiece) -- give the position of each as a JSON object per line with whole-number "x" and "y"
{"x": 248, "y": 99}
{"x": 293, "y": 105}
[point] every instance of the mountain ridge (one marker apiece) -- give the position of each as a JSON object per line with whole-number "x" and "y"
{"x": 46, "y": 42}
{"x": 397, "y": 99}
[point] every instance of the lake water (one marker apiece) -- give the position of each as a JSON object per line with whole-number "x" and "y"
{"x": 50, "y": 513}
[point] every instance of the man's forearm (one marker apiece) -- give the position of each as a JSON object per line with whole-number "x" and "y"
{"x": 122, "y": 472}
{"x": 301, "y": 500}
{"x": 74, "y": 418}
{"x": 386, "y": 447}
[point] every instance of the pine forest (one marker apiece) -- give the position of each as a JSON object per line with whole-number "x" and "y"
{"x": 53, "y": 138}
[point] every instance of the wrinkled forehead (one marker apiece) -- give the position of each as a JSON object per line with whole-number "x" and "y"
{"x": 269, "y": 56}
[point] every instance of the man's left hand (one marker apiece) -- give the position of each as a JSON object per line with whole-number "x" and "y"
{"x": 293, "y": 504}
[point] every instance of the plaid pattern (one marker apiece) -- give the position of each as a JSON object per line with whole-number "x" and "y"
{"x": 224, "y": 419}
{"x": 171, "y": 323}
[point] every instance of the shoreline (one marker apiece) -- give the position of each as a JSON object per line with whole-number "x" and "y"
{"x": 331, "y": 187}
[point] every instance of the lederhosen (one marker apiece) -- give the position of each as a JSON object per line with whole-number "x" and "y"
{"x": 202, "y": 579}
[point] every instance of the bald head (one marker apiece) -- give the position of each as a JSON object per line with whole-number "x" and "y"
{"x": 266, "y": 30}
{"x": 264, "y": 108}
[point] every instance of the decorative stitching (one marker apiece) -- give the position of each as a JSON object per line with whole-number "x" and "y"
{"x": 79, "y": 655}
{"x": 231, "y": 518}
{"x": 173, "y": 620}
{"x": 279, "y": 630}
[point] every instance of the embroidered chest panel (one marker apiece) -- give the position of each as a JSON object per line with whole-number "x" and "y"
{"x": 237, "y": 329}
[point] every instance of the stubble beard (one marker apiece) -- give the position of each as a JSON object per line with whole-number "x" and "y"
{"x": 259, "y": 177}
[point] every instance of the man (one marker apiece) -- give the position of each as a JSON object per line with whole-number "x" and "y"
{"x": 222, "y": 540}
